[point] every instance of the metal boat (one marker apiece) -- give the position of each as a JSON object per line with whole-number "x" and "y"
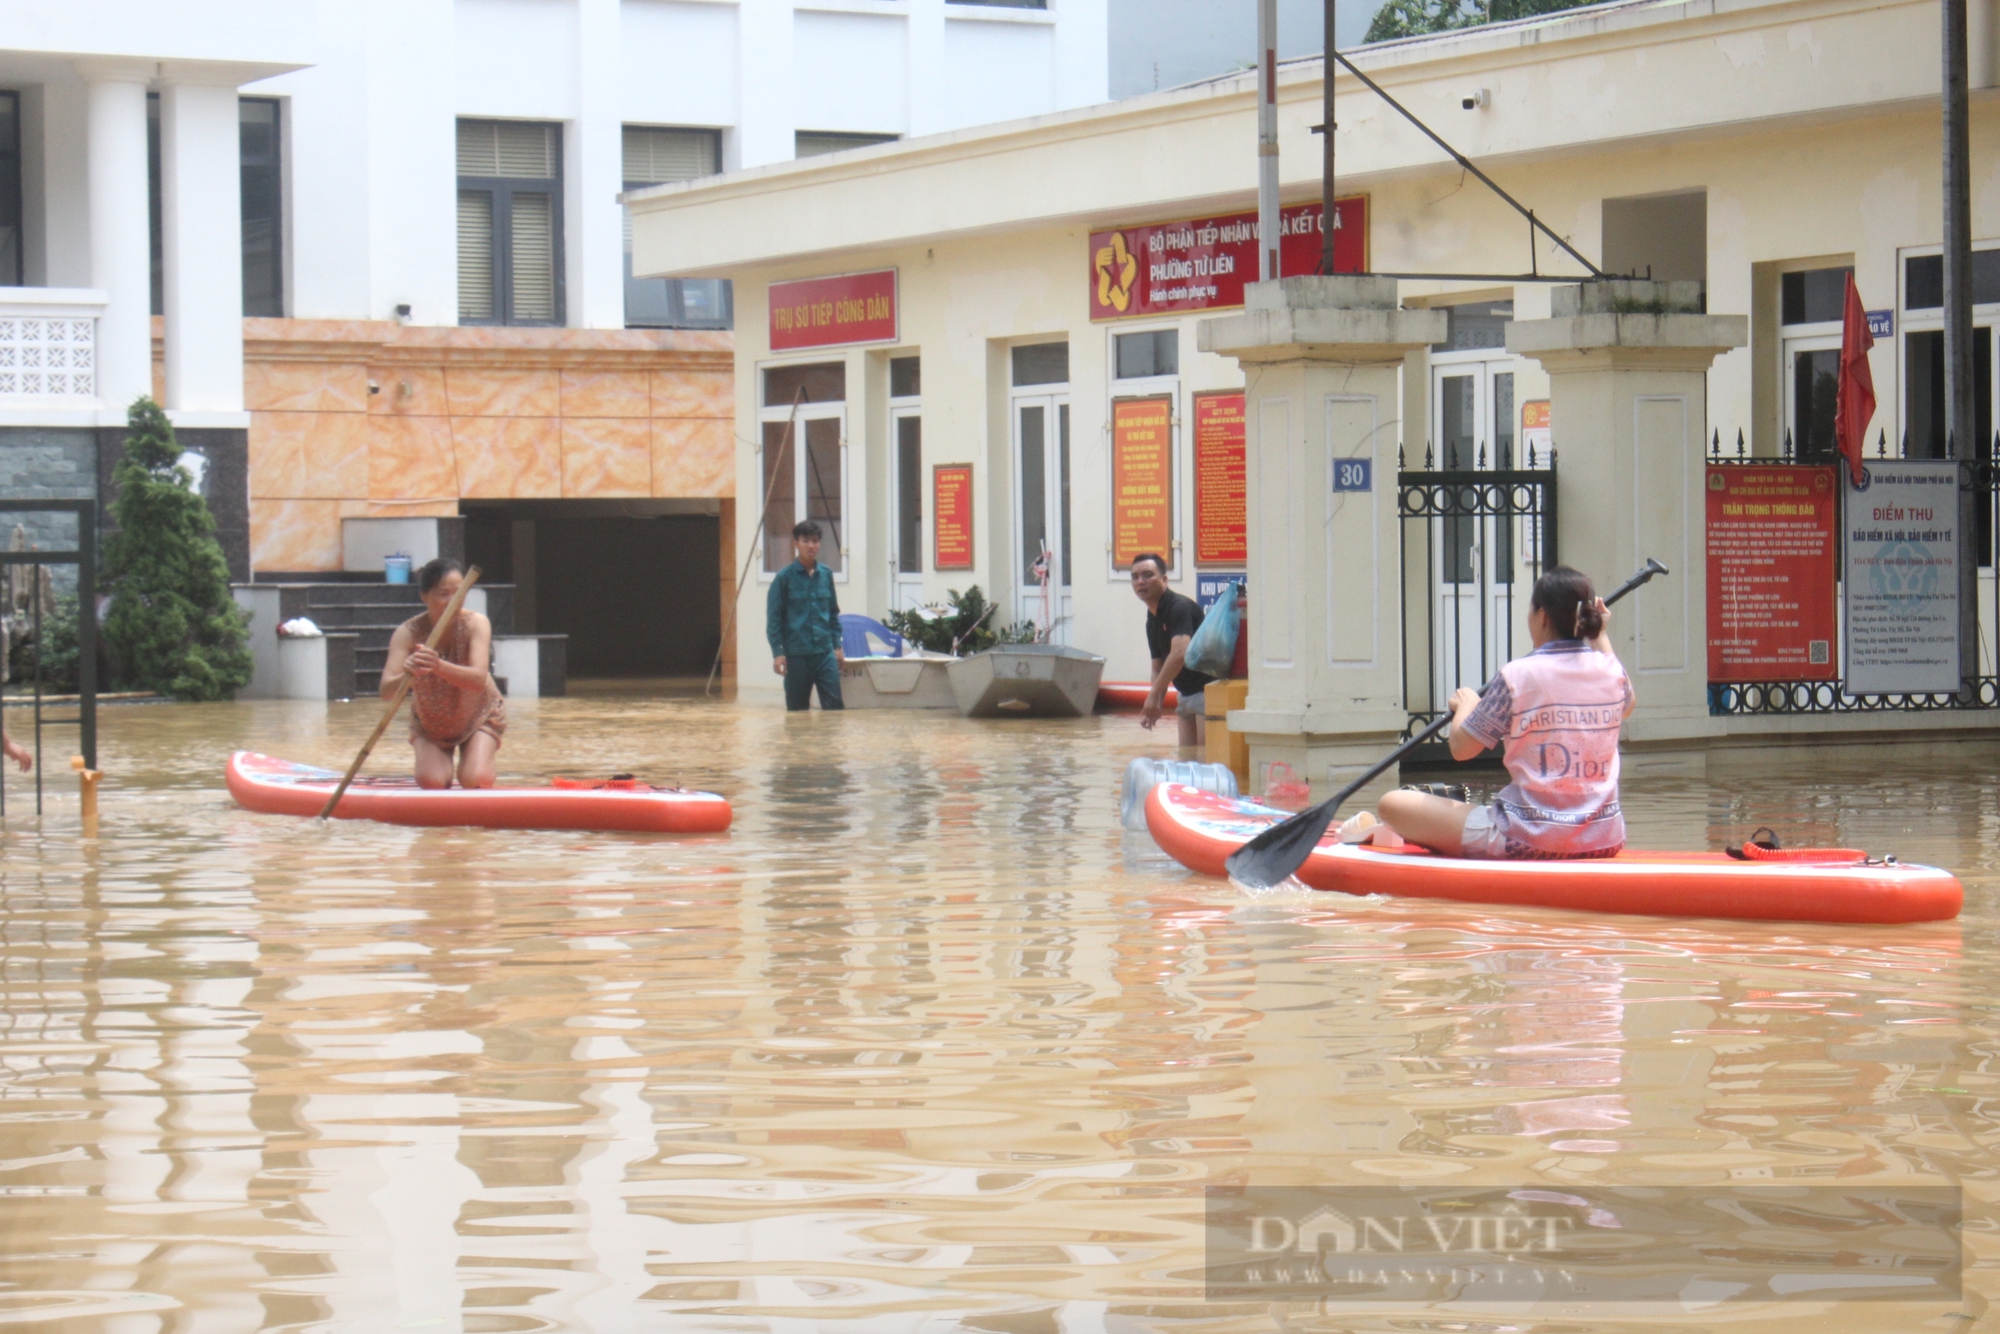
{"x": 1027, "y": 681}
{"x": 897, "y": 683}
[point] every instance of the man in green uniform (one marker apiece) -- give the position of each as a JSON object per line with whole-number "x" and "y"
{"x": 802, "y": 621}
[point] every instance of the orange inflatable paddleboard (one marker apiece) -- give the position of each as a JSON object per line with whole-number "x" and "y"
{"x": 1131, "y": 695}
{"x": 1200, "y": 829}
{"x": 280, "y": 787}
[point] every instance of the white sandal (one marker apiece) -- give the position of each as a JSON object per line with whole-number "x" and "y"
{"x": 1357, "y": 828}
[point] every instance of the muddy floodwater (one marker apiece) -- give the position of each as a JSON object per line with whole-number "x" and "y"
{"x": 926, "y": 1043}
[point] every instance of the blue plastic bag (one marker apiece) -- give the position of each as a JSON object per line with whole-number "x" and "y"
{"x": 1212, "y": 650}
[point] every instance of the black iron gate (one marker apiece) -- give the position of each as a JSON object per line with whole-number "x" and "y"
{"x": 1474, "y": 540}
{"x": 84, "y": 558}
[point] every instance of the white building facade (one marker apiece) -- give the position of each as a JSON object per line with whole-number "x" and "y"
{"x": 371, "y": 255}
{"x": 1046, "y": 277}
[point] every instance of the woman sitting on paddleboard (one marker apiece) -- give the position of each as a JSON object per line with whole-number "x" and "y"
{"x": 1556, "y": 712}
{"x": 456, "y": 709}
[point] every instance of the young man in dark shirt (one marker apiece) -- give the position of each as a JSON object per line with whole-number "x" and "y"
{"x": 1171, "y": 620}
{"x": 802, "y": 622}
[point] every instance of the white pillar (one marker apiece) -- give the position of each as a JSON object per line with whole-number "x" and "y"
{"x": 201, "y": 217}
{"x": 929, "y": 84}
{"x": 764, "y": 122}
{"x": 411, "y": 166}
{"x": 594, "y": 221}
{"x": 1082, "y": 54}
{"x": 1628, "y": 405}
{"x": 120, "y": 241}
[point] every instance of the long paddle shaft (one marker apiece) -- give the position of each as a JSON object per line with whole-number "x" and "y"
{"x": 388, "y": 714}
{"x": 1276, "y": 854}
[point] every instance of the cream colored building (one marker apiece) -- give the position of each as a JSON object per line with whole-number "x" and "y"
{"x": 1758, "y": 147}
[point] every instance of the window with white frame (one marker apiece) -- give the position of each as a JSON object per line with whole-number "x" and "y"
{"x": 802, "y": 460}
{"x": 1923, "y": 348}
{"x": 261, "y": 172}
{"x": 510, "y": 267}
{"x": 906, "y": 427}
{"x": 11, "y": 244}
{"x": 1922, "y": 309}
{"x": 1811, "y": 303}
{"x": 1146, "y": 364}
{"x": 1146, "y": 354}
{"x": 657, "y": 155}
{"x": 261, "y": 176}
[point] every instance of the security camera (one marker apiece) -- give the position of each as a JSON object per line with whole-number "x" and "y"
{"x": 1475, "y": 99}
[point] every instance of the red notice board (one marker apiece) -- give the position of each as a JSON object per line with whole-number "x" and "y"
{"x": 1221, "y": 508}
{"x": 1142, "y": 478}
{"x": 951, "y": 516}
{"x": 1771, "y": 573}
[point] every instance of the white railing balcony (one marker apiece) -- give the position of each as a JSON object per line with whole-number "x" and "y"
{"x": 48, "y": 348}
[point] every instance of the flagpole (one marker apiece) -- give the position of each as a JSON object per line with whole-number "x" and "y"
{"x": 1269, "y": 235}
{"x": 1960, "y": 415}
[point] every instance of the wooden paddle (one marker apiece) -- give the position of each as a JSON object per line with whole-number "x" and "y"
{"x": 388, "y": 714}
{"x": 1275, "y": 855}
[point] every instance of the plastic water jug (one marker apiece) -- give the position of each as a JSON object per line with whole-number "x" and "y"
{"x": 1143, "y": 775}
{"x": 396, "y": 569}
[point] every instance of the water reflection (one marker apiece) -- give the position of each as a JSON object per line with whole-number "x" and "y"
{"x": 925, "y": 1044}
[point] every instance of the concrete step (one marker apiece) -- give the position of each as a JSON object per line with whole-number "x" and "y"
{"x": 329, "y": 595}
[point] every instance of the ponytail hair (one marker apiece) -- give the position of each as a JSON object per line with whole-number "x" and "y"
{"x": 1569, "y": 600}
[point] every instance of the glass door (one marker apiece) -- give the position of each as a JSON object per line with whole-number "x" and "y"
{"x": 906, "y": 557}
{"x": 804, "y": 471}
{"x": 1044, "y": 560}
{"x": 1476, "y": 430}
{"x": 1812, "y": 385}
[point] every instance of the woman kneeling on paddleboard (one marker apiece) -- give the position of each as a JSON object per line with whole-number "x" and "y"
{"x": 1556, "y": 712}
{"x": 456, "y": 709}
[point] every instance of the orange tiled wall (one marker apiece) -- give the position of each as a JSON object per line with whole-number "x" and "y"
{"x": 471, "y": 414}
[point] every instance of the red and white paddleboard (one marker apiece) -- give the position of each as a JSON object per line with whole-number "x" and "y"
{"x": 1200, "y": 829}
{"x": 1130, "y": 695}
{"x": 280, "y": 787}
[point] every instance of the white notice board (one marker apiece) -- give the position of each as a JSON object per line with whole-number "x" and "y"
{"x": 1899, "y": 536}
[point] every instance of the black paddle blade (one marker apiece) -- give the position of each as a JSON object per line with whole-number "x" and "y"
{"x": 1271, "y": 857}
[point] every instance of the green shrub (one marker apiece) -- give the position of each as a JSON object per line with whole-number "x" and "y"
{"x": 60, "y": 658}
{"x": 1414, "y": 18}
{"x": 968, "y": 627}
{"x": 173, "y": 626}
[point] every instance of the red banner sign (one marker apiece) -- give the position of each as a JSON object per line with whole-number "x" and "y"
{"x": 1221, "y": 498}
{"x": 1203, "y": 263}
{"x": 1771, "y": 573}
{"x": 833, "y": 312}
{"x": 951, "y": 516}
{"x": 1142, "y": 478}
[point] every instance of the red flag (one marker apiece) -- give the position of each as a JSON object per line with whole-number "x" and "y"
{"x": 1854, "y": 402}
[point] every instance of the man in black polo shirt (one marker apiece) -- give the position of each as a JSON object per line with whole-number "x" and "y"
{"x": 1171, "y": 620}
